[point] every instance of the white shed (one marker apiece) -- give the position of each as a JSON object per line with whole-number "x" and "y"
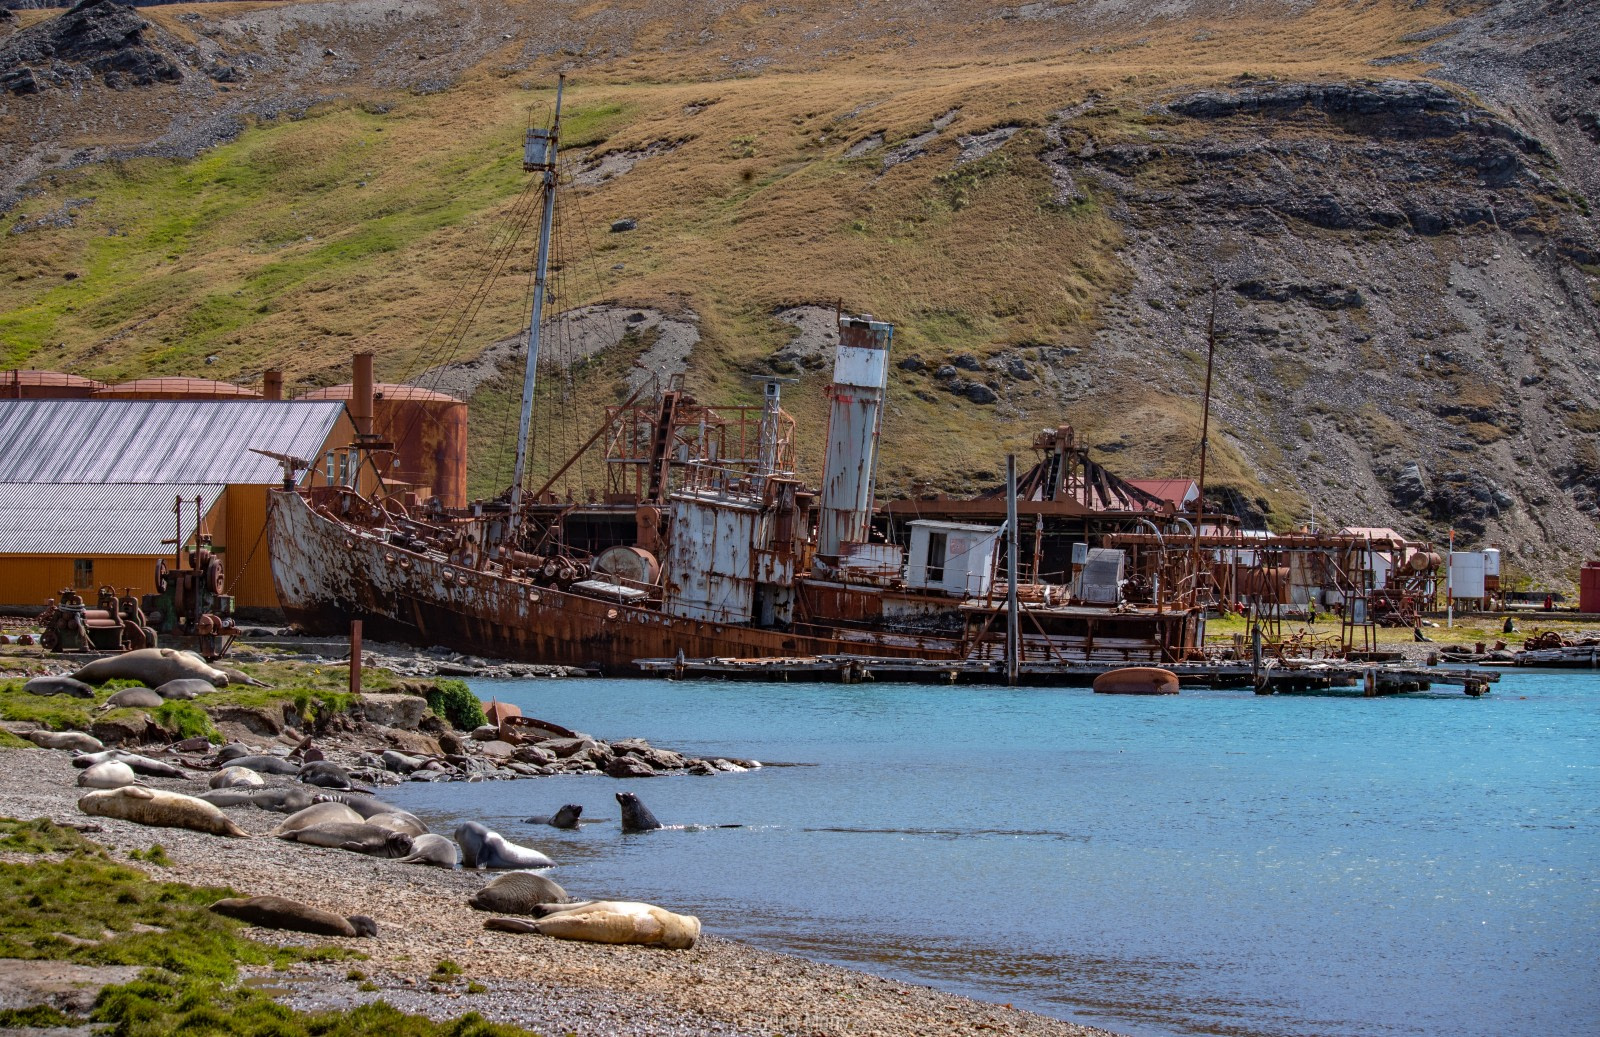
{"x": 952, "y": 557}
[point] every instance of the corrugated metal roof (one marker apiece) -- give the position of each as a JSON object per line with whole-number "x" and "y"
{"x": 157, "y": 441}
{"x": 109, "y": 519}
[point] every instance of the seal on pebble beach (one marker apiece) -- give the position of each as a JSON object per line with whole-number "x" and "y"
{"x": 355, "y": 837}
{"x": 161, "y": 809}
{"x": 112, "y": 774}
{"x": 566, "y": 817}
{"x": 58, "y": 686}
{"x": 433, "y": 849}
{"x": 135, "y": 698}
{"x": 609, "y": 921}
{"x": 75, "y": 740}
{"x": 281, "y": 800}
{"x": 325, "y": 775}
{"x": 151, "y": 667}
{"x": 518, "y": 893}
{"x": 400, "y": 821}
{"x": 318, "y": 814}
{"x": 266, "y": 764}
{"x": 140, "y": 764}
{"x": 470, "y": 834}
{"x": 499, "y": 852}
{"x": 636, "y": 817}
{"x": 282, "y": 913}
{"x": 235, "y": 778}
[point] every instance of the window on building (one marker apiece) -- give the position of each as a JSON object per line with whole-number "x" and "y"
{"x": 936, "y": 552}
{"x": 82, "y": 573}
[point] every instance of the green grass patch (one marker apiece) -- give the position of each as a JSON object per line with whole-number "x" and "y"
{"x": 41, "y": 835}
{"x": 187, "y": 720}
{"x": 156, "y": 854}
{"x": 455, "y": 702}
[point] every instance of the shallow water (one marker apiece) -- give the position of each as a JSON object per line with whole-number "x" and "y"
{"x": 1211, "y": 863}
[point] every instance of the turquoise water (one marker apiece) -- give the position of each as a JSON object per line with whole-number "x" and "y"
{"x": 1211, "y": 863}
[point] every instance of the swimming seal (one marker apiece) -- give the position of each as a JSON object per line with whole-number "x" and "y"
{"x": 317, "y": 814}
{"x": 112, "y": 774}
{"x": 152, "y": 667}
{"x": 353, "y": 836}
{"x": 160, "y": 808}
{"x": 432, "y": 849}
{"x": 566, "y": 817}
{"x": 75, "y": 740}
{"x": 498, "y": 852}
{"x": 58, "y": 686}
{"x": 518, "y": 893}
{"x": 281, "y": 913}
{"x": 135, "y": 698}
{"x": 235, "y": 778}
{"x": 636, "y": 817}
{"x": 140, "y": 764}
{"x": 610, "y": 921}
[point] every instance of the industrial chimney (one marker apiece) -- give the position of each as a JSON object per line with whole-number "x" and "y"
{"x": 361, "y": 395}
{"x": 860, "y": 375}
{"x": 272, "y": 385}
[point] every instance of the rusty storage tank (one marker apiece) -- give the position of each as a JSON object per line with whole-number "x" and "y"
{"x": 429, "y": 433}
{"x": 46, "y": 385}
{"x": 176, "y": 389}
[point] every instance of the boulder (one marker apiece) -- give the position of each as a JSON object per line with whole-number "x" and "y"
{"x": 565, "y": 747}
{"x": 630, "y": 767}
{"x": 404, "y": 712}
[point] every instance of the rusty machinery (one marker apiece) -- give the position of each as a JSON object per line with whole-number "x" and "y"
{"x": 116, "y": 624}
{"x": 189, "y": 599}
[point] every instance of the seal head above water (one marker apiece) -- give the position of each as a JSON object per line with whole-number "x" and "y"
{"x": 636, "y": 817}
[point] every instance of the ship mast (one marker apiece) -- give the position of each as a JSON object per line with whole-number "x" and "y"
{"x": 539, "y": 154}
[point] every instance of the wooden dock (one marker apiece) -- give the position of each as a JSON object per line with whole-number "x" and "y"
{"x": 1275, "y": 677}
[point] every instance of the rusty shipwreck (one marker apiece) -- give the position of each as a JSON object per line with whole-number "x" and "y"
{"x": 705, "y": 544}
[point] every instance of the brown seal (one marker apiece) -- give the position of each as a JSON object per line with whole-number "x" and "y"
{"x": 281, "y": 913}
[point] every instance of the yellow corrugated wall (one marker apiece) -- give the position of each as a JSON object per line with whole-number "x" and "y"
{"x": 249, "y": 572}
{"x": 37, "y": 579}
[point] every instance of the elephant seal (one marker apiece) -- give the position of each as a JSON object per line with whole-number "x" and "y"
{"x": 318, "y": 814}
{"x": 400, "y": 763}
{"x": 161, "y": 809}
{"x": 75, "y": 740}
{"x": 566, "y": 817}
{"x": 281, "y": 800}
{"x": 185, "y": 688}
{"x": 266, "y": 764}
{"x": 610, "y": 921}
{"x": 518, "y": 893}
{"x": 236, "y": 778}
{"x": 151, "y": 667}
{"x": 471, "y": 836}
{"x": 361, "y": 803}
{"x": 112, "y": 774}
{"x": 240, "y": 677}
{"x": 432, "y": 849}
{"x": 58, "y": 686}
{"x": 400, "y": 821}
{"x": 325, "y": 775}
{"x": 353, "y": 836}
{"x": 281, "y": 913}
{"x": 140, "y": 764}
{"x": 135, "y": 698}
{"x": 636, "y": 817}
{"x": 498, "y": 852}
{"x": 232, "y": 751}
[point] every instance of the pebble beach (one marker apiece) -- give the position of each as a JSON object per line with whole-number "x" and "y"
{"x": 720, "y": 986}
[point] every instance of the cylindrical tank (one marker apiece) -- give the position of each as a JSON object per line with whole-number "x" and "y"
{"x": 1424, "y": 562}
{"x": 1466, "y": 574}
{"x": 429, "y": 433}
{"x": 175, "y": 389}
{"x": 1491, "y": 561}
{"x": 46, "y": 385}
{"x": 630, "y": 563}
{"x": 860, "y": 374}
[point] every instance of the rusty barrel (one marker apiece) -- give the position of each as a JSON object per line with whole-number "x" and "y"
{"x": 1137, "y": 680}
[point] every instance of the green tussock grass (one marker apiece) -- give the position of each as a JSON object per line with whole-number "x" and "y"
{"x": 42, "y": 835}
{"x": 187, "y": 720}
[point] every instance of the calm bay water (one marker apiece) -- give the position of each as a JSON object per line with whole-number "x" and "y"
{"x": 1211, "y": 863}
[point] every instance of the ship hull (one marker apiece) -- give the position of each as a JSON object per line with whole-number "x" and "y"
{"x": 329, "y": 573}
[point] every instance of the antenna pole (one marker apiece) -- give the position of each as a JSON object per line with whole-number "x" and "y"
{"x": 539, "y": 154}
{"x": 1205, "y": 442}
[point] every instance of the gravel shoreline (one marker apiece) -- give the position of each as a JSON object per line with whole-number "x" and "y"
{"x": 721, "y": 987}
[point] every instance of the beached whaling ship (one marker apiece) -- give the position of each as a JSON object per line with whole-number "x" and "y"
{"x": 707, "y": 545}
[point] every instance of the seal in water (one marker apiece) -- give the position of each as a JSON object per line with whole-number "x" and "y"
{"x": 471, "y": 835}
{"x": 432, "y": 849}
{"x": 161, "y": 809}
{"x": 498, "y": 852}
{"x": 636, "y": 817}
{"x": 75, "y": 740}
{"x": 112, "y": 774}
{"x": 317, "y": 814}
{"x": 353, "y": 836}
{"x": 281, "y": 913}
{"x": 235, "y": 778}
{"x": 140, "y": 764}
{"x": 566, "y": 817}
{"x": 518, "y": 893}
{"x": 136, "y": 698}
{"x": 58, "y": 686}
{"x": 152, "y": 667}
{"x": 609, "y": 921}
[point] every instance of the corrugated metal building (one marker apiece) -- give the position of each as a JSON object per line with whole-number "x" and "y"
{"x": 87, "y": 487}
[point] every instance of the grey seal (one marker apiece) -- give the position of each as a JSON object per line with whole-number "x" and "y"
{"x": 112, "y": 774}
{"x": 281, "y": 800}
{"x": 235, "y": 778}
{"x": 160, "y": 808}
{"x": 432, "y": 849}
{"x": 185, "y": 688}
{"x": 355, "y": 837}
{"x": 400, "y": 763}
{"x": 140, "y": 764}
{"x": 266, "y": 764}
{"x": 135, "y": 698}
{"x": 325, "y": 775}
{"x": 58, "y": 686}
{"x": 498, "y": 852}
{"x": 75, "y": 740}
{"x": 152, "y": 667}
{"x": 566, "y": 817}
{"x": 471, "y": 836}
{"x": 636, "y": 817}
{"x": 518, "y": 893}
{"x": 360, "y": 802}
{"x": 232, "y": 751}
{"x": 281, "y": 913}
{"x": 318, "y": 814}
